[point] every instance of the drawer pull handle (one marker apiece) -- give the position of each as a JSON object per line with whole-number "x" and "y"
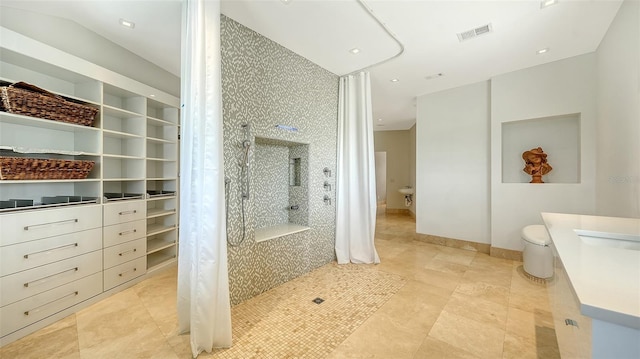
{"x": 36, "y": 226}
{"x": 26, "y": 256}
{"x": 124, "y": 213}
{"x": 37, "y": 309}
{"x": 125, "y": 272}
{"x": 44, "y": 279}
{"x": 127, "y": 252}
{"x": 127, "y": 232}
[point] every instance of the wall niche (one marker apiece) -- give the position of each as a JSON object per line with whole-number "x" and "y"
{"x": 281, "y": 188}
{"x": 559, "y": 137}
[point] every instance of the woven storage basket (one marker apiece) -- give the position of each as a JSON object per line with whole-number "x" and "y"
{"x": 25, "y": 99}
{"x": 23, "y": 168}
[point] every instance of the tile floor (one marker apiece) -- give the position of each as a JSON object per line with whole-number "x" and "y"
{"x": 422, "y": 301}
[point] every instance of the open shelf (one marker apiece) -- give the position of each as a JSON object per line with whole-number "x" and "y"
{"x": 156, "y": 212}
{"x": 154, "y": 229}
{"x": 158, "y": 244}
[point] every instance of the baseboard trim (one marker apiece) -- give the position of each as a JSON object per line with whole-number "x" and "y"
{"x": 506, "y": 254}
{"x": 398, "y": 211}
{"x": 454, "y": 243}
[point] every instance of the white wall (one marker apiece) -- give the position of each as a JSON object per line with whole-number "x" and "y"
{"x": 618, "y": 159}
{"x": 452, "y": 163}
{"x": 558, "y": 88}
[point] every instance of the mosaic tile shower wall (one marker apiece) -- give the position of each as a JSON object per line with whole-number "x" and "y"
{"x": 270, "y": 207}
{"x": 263, "y": 85}
{"x": 299, "y": 195}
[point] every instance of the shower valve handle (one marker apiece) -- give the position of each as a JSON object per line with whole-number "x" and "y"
{"x": 327, "y": 186}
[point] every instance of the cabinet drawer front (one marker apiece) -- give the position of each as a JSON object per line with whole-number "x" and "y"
{"x": 30, "y": 310}
{"x": 24, "y": 284}
{"x": 23, "y": 256}
{"x": 124, "y": 252}
{"x": 124, "y": 272}
{"x": 124, "y": 232}
{"x": 125, "y": 211}
{"x": 22, "y": 227}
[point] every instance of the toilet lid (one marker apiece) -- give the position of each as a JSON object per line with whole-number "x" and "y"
{"x": 536, "y": 234}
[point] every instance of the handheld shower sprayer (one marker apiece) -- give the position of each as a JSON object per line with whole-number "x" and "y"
{"x": 246, "y": 144}
{"x": 244, "y": 185}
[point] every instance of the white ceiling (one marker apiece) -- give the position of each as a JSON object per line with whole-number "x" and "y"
{"x": 324, "y": 31}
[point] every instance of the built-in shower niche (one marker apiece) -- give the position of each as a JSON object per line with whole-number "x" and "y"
{"x": 280, "y": 188}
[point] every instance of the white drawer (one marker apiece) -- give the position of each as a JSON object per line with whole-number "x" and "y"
{"x": 125, "y": 211}
{"x": 124, "y": 232}
{"x": 23, "y": 256}
{"x": 24, "y": 284}
{"x": 124, "y": 272}
{"x": 124, "y": 252}
{"x": 27, "y": 311}
{"x": 27, "y": 226}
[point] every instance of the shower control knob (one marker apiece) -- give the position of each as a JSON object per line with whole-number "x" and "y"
{"x": 327, "y": 186}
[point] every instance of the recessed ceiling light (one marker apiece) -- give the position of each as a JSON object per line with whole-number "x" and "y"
{"x": 394, "y": 80}
{"x": 542, "y": 51}
{"x": 379, "y": 120}
{"x": 355, "y": 50}
{"x": 547, "y": 3}
{"x": 434, "y": 76}
{"x": 152, "y": 95}
{"x": 286, "y": 1}
{"x": 127, "y": 23}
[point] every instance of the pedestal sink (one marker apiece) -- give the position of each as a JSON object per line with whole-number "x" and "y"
{"x": 406, "y": 191}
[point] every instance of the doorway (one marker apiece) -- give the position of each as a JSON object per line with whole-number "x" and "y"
{"x": 381, "y": 182}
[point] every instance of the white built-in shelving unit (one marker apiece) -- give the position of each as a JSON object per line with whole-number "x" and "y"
{"x": 88, "y": 250}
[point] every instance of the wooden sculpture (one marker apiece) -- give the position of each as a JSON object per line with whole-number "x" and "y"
{"x": 536, "y": 164}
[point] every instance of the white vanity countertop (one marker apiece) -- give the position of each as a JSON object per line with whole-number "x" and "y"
{"x": 606, "y": 280}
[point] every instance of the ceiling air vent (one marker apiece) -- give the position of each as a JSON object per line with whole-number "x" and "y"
{"x": 470, "y": 34}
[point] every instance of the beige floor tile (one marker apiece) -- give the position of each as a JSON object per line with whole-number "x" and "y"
{"x": 495, "y": 277}
{"x": 59, "y": 340}
{"x": 433, "y": 348}
{"x": 516, "y": 347}
{"x": 382, "y": 336}
{"x": 158, "y": 295}
{"x": 483, "y": 340}
{"x": 445, "y": 266}
{"x": 457, "y": 256}
{"x": 494, "y": 293}
{"x": 448, "y": 281}
{"x": 398, "y": 328}
{"x": 530, "y": 332}
{"x": 120, "y": 324}
{"x": 482, "y": 260}
{"x": 528, "y": 324}
{"x": 480, "y": 310}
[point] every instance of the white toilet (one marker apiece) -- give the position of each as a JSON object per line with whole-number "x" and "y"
{"x": 537, "y": 255}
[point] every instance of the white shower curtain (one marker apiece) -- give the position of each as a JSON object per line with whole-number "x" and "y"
{"x": 356, "y": 181}
{"x": 203, "y": 285}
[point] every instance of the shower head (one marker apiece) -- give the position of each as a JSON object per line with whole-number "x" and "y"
{"x": 246, "y": 144}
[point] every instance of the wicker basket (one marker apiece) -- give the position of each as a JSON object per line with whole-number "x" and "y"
{"x": 24, "y": 168}
{"x": 25, "y": 99}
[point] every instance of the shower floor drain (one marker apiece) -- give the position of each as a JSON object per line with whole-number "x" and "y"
{"x": 318, "y": 300}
